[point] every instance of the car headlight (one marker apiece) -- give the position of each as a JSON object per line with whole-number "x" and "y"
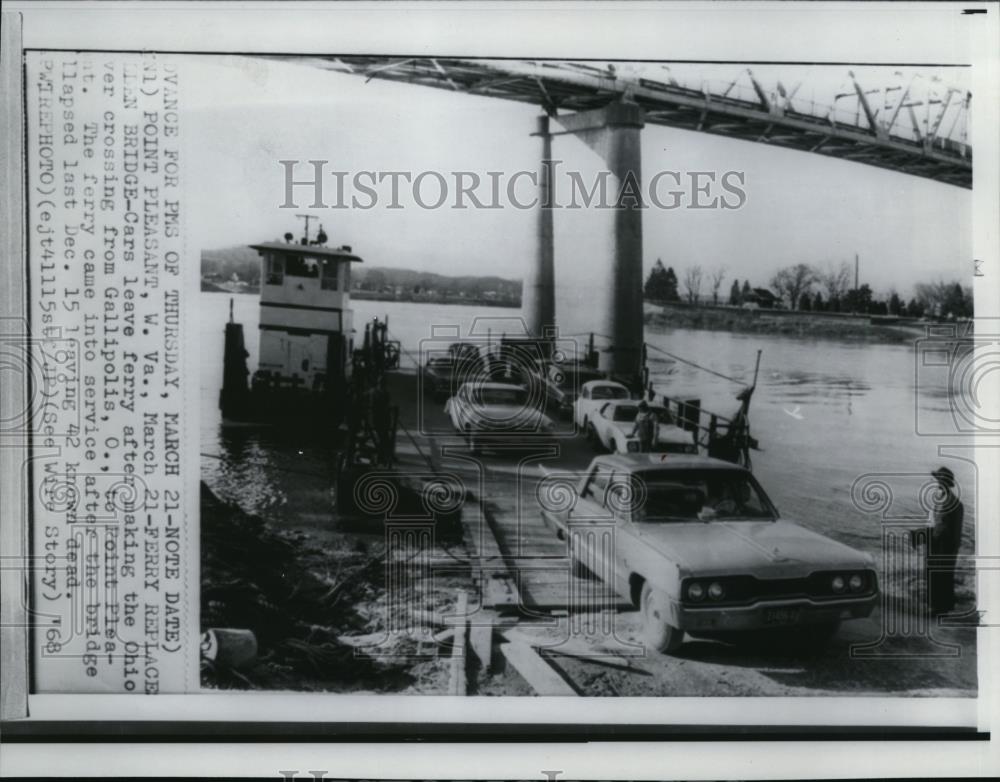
{"x": 837, "y": 584}
{"x": 716, "y": 591}
{"x": 632, "y": 446}
{"x": 856, "y": 582}
{"x": 696, "y": 591}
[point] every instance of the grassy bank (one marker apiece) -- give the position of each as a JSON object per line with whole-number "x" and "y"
{"x": 278, "y": 585}
{"x": 314, "y": 594}
{"x": 781, "y": 322}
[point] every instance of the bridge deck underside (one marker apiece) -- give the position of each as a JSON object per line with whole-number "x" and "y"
{"x": 569, "y": 87}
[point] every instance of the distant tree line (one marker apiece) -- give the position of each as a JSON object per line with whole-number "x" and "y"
{"x": 661, "y": 285}
{"x": 810, "y": 289}
{"x": 244, "y": 264}
{"x": 417, "y": 283}
{"x": 232, "y": 263}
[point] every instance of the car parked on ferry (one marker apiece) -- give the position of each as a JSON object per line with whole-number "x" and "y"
{"x": 610, "y": 429}
{"x": 700, "y": 549}
{"x": 497, "y": 415}
{"x": 562, "y": 383}
{"x": 443, "y": 372}
{"x": 593, "y": 395}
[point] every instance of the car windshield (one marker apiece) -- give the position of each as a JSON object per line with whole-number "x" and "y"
{"x": 623, "y": 413}
{"x": 500, "y": 396}
{"x": 608, "y": 392}
{"x": 689, "y": 495}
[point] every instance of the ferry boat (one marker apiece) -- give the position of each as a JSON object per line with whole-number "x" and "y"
{"x": 310, "y": 374}
{"x": 304, "y": 365}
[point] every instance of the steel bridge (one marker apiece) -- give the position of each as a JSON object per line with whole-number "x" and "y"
{"x": 919, "y": 127}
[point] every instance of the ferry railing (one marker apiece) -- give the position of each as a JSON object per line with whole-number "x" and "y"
{"x": 717, "y": 434}
{"x": 723, "y": 436}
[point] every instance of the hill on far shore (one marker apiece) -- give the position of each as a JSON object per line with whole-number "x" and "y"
{"x": 244, "y": 262}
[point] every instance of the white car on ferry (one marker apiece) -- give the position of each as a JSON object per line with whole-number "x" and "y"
{"x": 497, "y": 415}
{"x": 593, "y": 395}
{"x": 611, "y": 429}
{"x": 700, "y": 549}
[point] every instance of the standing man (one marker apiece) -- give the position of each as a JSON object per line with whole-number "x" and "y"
{"x": 645, "y": 427}
{"x": 945, "y": 538}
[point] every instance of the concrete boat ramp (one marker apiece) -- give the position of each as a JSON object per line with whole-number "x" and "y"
{"x": 519, "y": 564}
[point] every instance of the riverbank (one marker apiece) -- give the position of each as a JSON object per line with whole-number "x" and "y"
{"x": 806, "y": 325}
{"x": 207, "y": 286}
{"x": 417, "y": 298}
{"x": 314, "y": 597}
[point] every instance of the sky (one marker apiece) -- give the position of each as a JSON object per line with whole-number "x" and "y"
{"x": 243, "y": 115}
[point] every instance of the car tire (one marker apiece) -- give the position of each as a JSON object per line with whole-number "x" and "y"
{"x": 658, "y": 632}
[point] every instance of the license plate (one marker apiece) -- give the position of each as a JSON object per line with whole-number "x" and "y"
{"x": 781, "y": 616}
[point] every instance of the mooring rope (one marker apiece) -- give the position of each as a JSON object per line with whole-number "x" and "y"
{"x": 697, "y": 366}
{"x": 675, "y": 357}
{"x": 425, "y": 457}
{"x": 409, "y": 355}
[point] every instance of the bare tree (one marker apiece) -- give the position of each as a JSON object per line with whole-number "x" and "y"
{"x": 932, "y": 294}
{"x": 836, "y": 281}
{"x": 692, "y": 283}
{"x": 717, "y": 277}
{"x": 791, "y": 282}
{"x": 943, "y": 298}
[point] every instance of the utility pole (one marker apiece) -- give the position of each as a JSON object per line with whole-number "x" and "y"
{"x": 856, "y": 267}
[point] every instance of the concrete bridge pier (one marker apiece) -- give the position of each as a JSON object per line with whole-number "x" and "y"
{"x": 538, "y": 295}
{"x": 613, "y": 132}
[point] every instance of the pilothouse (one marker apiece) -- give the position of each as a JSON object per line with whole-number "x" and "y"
{"x": 305, "y": 315}
{"x": 306, "y": 328}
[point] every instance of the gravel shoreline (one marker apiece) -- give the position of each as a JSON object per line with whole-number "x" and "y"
{"x": 782, "y": 323}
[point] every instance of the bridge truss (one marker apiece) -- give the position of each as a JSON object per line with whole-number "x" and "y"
{"x": 919, "y": 127}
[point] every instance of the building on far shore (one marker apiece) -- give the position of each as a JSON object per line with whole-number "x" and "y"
{"x": 762, "y": 297}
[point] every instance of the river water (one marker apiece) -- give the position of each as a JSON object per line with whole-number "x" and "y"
{"x": 829, "y": 415}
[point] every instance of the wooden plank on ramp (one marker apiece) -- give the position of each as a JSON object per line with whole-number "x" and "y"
{"x": 457, "y": 682}
{"x": 481, "y": 639}
{"x": 542, "y": 677}
{"x": 497, "y": 586}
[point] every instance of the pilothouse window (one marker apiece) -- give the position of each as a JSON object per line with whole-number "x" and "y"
{"x": 328, "y": 281}
{"x": 300, "y": 266}
{"x": 275, "y": 273}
